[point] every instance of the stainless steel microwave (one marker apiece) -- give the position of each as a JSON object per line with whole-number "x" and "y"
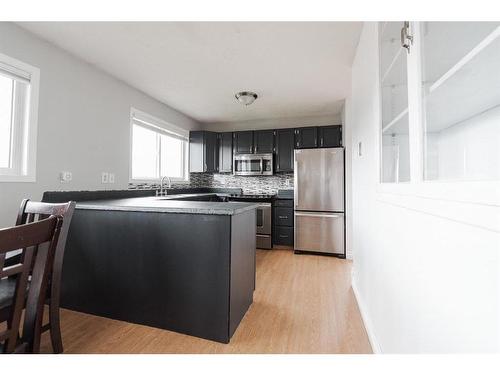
{"x": 253, "y": 164}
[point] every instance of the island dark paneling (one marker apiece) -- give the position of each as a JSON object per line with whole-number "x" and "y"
{"x": 189, "y": 273}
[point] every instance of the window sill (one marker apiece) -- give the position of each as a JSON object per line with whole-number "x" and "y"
{"x": 13, "y": 178}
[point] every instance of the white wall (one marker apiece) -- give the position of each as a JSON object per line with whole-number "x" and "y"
{"x": 277, "y": 123}
{"x": 426, "y": 270}
{"x": 83, "y": 121}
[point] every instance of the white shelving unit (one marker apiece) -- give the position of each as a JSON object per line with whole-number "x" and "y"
{"x": 467, "y": 88}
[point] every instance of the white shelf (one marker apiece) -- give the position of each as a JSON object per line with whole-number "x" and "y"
{"x": 469, "y": 88}
{"x": 394, "y": 121}
{"x": 464, "y": 60}
{"x": 391, "y": 65}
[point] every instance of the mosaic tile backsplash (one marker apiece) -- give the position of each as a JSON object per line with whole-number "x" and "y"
{"x": 249, "y": 184}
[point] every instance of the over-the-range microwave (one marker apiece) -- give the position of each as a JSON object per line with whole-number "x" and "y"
{"x": 253, "y": 164}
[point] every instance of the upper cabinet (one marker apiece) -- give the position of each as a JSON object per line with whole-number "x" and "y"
{"x": 284, "y": 150}
{"x": 243, "y": 142}
{"x": 306, "y": 137}
{"x": 330, "y": 136}
{"x": 440, "y": 101}
{"x": 263, "y": 141}
{"x": 225, "y": 146}
{"x": 321, "y": 136}
{"x": 213, "y": 152}
{"x": 253, "y": 142}
{"x": 202, "y": 151}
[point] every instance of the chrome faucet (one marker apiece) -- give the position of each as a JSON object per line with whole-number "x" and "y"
{"x": 161, "y": 184}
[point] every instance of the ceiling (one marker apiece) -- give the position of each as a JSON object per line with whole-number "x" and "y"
{"x": 298, "y": 69}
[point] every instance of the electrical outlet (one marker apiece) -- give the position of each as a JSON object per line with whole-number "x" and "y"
{"x": 66, "y": 176}
{"x": 111, "y": 178}
{"x": 104, "y": 177}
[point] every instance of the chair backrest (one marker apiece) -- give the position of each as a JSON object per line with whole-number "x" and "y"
{"x": 35, "y": 240}
{"x": 31, "y": 211}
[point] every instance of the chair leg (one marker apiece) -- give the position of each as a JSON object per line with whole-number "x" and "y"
{"x": 55, "y": 327}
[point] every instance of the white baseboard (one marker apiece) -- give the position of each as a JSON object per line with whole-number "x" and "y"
{"x": 366, "y": 320}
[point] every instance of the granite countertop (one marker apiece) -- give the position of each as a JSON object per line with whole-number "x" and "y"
{"x": 168, "y": 204}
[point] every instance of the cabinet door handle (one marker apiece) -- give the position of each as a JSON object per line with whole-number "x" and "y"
{"x": 283, "y": 236}
{"x": 283, "y": 217}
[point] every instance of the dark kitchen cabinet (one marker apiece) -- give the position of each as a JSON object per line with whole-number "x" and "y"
{"x": 243, "y": 142}
{"x": 283, "y": 222}
{"x": 284, "y": 216}
{"x": 202, "y": 151}
{"x": 330, "y": 136}
{"x": 263, "y": 141}
{"x": 284, "y": 150}
{"x": 306, "y": 137}
{"x": 225, "y": 146}
{"x": 283, "y": 236}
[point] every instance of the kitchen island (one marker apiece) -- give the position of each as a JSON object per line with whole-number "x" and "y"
{"x": 185, "y": 263}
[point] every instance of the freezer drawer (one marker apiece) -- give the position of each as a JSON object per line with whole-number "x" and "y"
{"x": 319, "y": 232}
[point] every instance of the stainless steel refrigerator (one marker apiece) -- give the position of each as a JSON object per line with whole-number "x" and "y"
{"x": 319, "y": 201}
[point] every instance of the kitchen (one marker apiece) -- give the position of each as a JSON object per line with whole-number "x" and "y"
{"x": 220, "y": 206}
{"x": 306, "y": 219}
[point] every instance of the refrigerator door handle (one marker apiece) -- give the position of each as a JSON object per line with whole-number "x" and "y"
{"x": 316, "y": 214}
{"x": 295, "y": 182}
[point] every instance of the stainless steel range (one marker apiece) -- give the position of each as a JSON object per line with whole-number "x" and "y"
{"x": 264, "y": 226}
{"x": 264, "y": 215}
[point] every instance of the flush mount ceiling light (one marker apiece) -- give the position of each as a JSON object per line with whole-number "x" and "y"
{"x": 246, "y": 97}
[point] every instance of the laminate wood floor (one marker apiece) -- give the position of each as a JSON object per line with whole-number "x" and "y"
{"x": 302, "y": 304}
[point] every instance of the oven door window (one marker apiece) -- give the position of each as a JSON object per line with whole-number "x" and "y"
{"x": 248, "y": 165}
{"x": 260, "y": 217}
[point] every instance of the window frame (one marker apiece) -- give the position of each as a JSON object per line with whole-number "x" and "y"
{"x": 24, "y": 142}
{"x": 161, "y": 127}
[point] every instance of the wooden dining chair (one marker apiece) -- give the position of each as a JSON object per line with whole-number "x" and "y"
{"x": 28, "y": 213}
{"x": 37, "y": 243}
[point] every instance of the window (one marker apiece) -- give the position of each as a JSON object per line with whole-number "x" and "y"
{"x": 18, "y": 119}
{"x": 461, "y": 100}
{"x": 157, "y": 149}
{"x": 395, "y": 150}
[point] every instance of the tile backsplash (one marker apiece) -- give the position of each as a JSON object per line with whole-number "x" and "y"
{"x": 249, "y": 184}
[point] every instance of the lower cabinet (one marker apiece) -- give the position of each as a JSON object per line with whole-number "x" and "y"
{"x": 283, "y": 222}
{"x": 283, "y": 236}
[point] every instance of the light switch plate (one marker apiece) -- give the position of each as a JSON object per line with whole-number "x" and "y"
{"x": 104, "y": 177}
